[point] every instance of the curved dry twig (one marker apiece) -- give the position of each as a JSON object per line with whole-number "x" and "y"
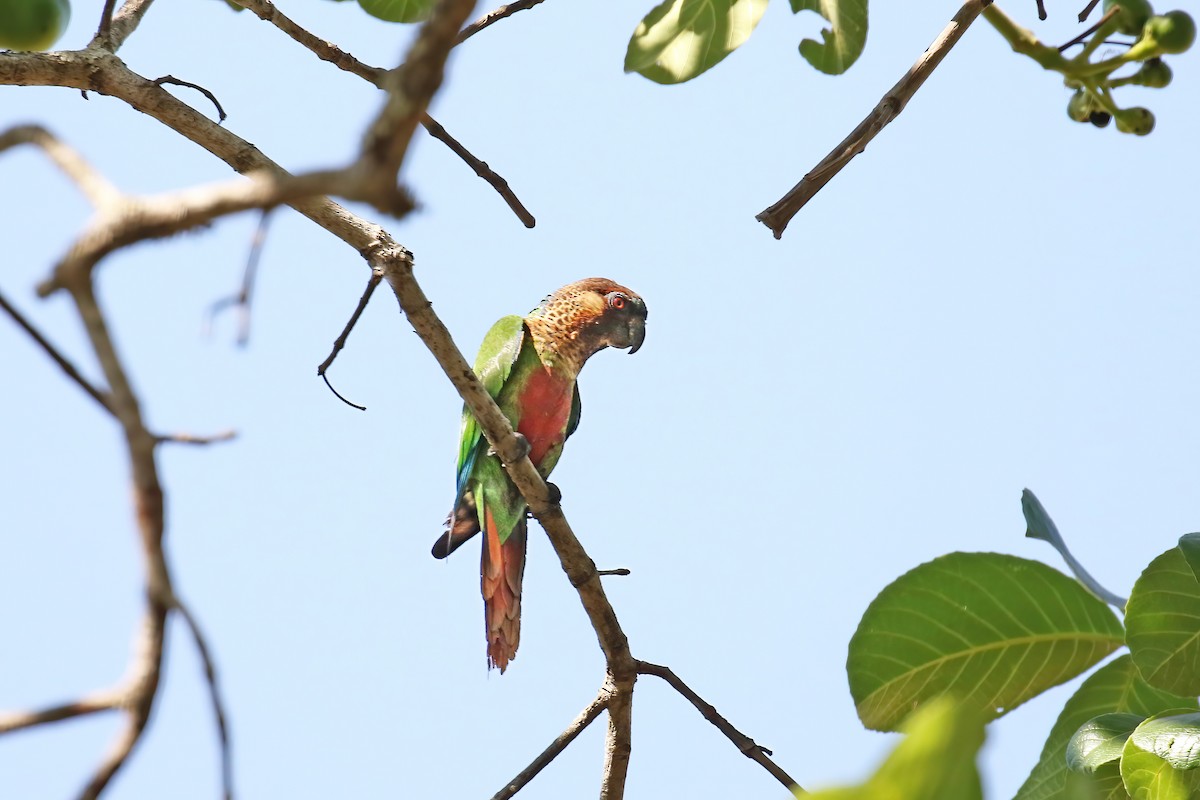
{"x": 777, "y": 216}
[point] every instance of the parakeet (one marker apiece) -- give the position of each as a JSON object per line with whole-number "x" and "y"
{"x": 529, "y": 365}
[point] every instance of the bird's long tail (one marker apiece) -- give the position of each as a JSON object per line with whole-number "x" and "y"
{"x": 500, "y": 577}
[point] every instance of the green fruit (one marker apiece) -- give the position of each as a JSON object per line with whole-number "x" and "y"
{"x": 1172, "y": 32}
{"x": 1079, "y": 107}
{"x": 1154, "y": 74}
{"x": 1132, "y": 16}
{"x": 1135, "y": 120}
{"x": 32, "y": 24}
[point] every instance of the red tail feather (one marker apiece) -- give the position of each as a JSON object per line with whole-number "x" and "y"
{"x": 500, "y": 576}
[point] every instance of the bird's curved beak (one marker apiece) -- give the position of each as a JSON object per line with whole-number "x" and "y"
{"x": 637, "y": 334}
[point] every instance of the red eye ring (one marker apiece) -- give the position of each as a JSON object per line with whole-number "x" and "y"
{"x": 617, "y": 301}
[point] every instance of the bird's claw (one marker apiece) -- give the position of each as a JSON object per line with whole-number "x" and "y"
{"x": 553, "y": 494}
{"x": 523, "y": 447}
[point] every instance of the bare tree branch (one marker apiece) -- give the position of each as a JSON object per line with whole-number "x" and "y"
{"x": 94, "y": 186}
{"x": 410, "y": 87}
{"x": 124, "y": 23}
{"x": 188, "y": 438}
{"x": 777, "y": 216}
{"x": 481, "y": 169}
{"x": 618, "y": 744}
{"x": 740, "y": 740}
{"x": 585, "y": 718}
{"x": 340, "y": 341}
{"x": 214, "y": 693}
{"x": 58, "y": 358}
{"x": 327, "y": 51}
{"x": 16, "y": 720}
{"x": 495, "y": 16}
{"x": 242, "y": 299}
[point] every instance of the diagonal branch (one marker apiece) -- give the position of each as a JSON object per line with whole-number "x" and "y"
{"x": 410, "y": 87}
{"x": 493, "y": 17}
{"x": 17, "y": 720}
{"x": 58, "y": 358}
{"x": 585, "y": 718}
{"x": 214, "y": 693}
{"x": 744, "y": 743}
{"x": 777, "y": 216}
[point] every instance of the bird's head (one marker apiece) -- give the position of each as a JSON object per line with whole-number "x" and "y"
{"x": 584, "y": 317}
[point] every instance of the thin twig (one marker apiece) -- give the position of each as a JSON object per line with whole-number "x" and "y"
{"x": 410, "y": 87}
{"x": 327, "y": 51}
{"x": 172, "y": 80}
{"x": 58, "y": 358}
{"x": 187, "y": 438}
{"x": 481, "y": 169}
{"x": 619, "y": 571}
{"x": 125, "y": 23}
{"x": 340, "y": 341}
{"x": 744, "y": 743}
{"x": 214, "y": 692}
{"x": 17, "y": 720}
{"x": 495, "y": 16}
{"x": 1041, "y": 10}
{"x": 1112, "y": 12}
{"x": 777, "y": 216}
{"x": 1087, "y": 10}
{"x": 105, "y": 20}
{"x": 585, "y": 718}
{"x": 245, "y": 293}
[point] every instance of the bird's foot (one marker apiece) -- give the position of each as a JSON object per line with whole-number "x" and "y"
{"x": 553, "y": 494}
{"x": 523, "y": 447}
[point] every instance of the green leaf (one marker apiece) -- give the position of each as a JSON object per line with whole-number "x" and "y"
{"x": 1174, "y": 738}
{"x": 844, "y": 38}
{"x": 992, "y": 629}
{"x": 1099, "y": 740}
{"x": 935, "y": 761}
{"x": 1117, "y": 686}
{"x": 1163, "y": 624}
{"x": 1189, "y": 545}
{"x": 1150, "y": 777}
{"x": 1103, "y": 784}
{"x": 1040, "y": 526}
{"x": 680, "y": 39}
{"x": 398, "y": 10}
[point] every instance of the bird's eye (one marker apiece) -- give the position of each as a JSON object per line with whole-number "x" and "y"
{"x": 616, "y": 300}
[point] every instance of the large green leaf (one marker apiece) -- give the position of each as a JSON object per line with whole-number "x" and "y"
{"x": 992, "y": 629}
{"x": 1147, "y": 776}
{"x": 398, "y": 10}
{"x": 935, "y": 761}
{"x": 1173, "y": 737}
{"x": 1163, "y": 623}
{"x": 844, "y": 39}
{"x": 680, "y": 39}
{"x": 1117, "y": 686}
{"x": 1189, "y": 545}
{"x": 1099, "y": 741}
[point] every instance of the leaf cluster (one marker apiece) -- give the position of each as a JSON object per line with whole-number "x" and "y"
{"x": 985, "y": 632}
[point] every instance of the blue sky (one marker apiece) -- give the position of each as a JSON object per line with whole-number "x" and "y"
{"x": 990, "y": 298}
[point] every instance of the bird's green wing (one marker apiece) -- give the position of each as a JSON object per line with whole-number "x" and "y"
{"x": 496, "y": 357}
